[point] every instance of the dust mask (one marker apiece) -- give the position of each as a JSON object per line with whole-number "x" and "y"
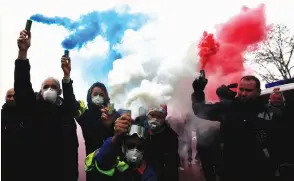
{"x": 50, "y": 95}
{"x": 155, "y": 125}
{"x": 98, "y": 100}
{"x": 134, "y": 157}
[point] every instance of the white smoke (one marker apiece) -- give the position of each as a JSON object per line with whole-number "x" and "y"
{"x": 143, "y": 80}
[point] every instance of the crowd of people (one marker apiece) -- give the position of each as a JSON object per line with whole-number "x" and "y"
{"x": 40, "y": 142}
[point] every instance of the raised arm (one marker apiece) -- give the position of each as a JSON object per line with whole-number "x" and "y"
{"x": 211, "y": 112}
{"x": 205, "y": 111}
{"x": 70, "y": 101}
{"x": 24, "y": 93}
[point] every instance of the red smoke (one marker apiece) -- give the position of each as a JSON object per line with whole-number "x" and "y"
{"x": 223, "y": 59}
{"x": 208, "y": 47}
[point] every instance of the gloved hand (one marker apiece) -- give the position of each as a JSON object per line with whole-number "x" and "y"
{"x": 200, "y": 83}
{"x": 224, "y": 92}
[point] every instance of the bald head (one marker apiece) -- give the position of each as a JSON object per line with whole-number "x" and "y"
{"x": 50, "y": 90}
{"x": 10, "y": 96}
{"x": 51, "y": 82}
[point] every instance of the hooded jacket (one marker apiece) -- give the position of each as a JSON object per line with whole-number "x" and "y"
{"x": 94, "y": 131}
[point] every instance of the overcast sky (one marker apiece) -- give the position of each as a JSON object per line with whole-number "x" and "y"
{"x": 173, "y": 25}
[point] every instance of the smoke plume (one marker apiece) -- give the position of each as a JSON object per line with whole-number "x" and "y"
{"x": 158, "y": 79}
{"x": 109, "y": 24}
{"x": 236, "y": 36}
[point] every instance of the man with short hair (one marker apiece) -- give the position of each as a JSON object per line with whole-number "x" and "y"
{"x": 9, "y": 98}
{"x": 8, "y": 109}
{"x": 249, "y": 88}
{"x": 51, "y": 118}
{"x": 14, "y": 138}
{"x": 242, "y": 120}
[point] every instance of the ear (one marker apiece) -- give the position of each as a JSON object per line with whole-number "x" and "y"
{"x": 59, "y": 92}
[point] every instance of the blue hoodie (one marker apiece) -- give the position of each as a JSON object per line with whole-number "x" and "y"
{"x": 108, "y": 163}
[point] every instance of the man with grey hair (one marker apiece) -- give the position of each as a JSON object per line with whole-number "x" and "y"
{"x": 51, "y": 119}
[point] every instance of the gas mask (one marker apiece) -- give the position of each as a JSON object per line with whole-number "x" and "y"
{"x": 133, "y": 155}
{"x": 50, "y": 95}
{"x": 155, "y": 125}
{"x": 98, "y": 100}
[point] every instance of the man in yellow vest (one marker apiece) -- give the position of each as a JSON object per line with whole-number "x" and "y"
{"x": 121, "y": 157}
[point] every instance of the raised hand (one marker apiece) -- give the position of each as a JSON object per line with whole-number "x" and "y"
{"x": 122, "y": 125}
{"x": 66, "y": 66}
{"x": 24, "y": 41}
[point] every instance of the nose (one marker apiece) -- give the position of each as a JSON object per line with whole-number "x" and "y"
{"x": 243, "y": 93}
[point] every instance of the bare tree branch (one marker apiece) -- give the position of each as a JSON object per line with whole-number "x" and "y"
{"x": 277, "y": 51}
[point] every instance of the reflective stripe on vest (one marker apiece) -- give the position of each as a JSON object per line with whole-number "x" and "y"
{"x": 90, "y": 163}
{"x": 107, "y": 172}
{"x": 122, "y": 166}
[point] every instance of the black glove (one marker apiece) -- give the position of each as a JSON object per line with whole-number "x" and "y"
{"x": 224, "y": 92}
{"x": 200, "y": 82}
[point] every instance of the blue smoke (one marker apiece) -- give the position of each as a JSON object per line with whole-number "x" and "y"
{"x": 89, "y": 26}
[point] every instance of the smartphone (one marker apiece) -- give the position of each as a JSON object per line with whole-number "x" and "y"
{"x": 29, "y": 25}
{"x": 123, "y": 111}
{"x": 110, "y": 107}
{"x": 66, "y": 53}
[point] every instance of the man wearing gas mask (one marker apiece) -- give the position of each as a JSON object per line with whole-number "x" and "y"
{"x": 121, "y": 157}
{"x": 241, "y": 120}
{"x": 162, "y": 149}
{"x": 50, "y": 117}
{"x": 97, "y": 121}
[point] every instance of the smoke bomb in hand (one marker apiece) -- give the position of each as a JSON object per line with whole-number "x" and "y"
{"x": 66, "y": 53}
{"x": 29, "y": 25}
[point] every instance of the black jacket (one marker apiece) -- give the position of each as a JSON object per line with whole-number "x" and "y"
{"x": 162, "y": 154}
{"x": 281, "y": 140}
{"x": 50, "y": 125}
{"x": 94, "y": 131}
{"x": 15, "y": 132}
{"x": 244, "y": 127}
